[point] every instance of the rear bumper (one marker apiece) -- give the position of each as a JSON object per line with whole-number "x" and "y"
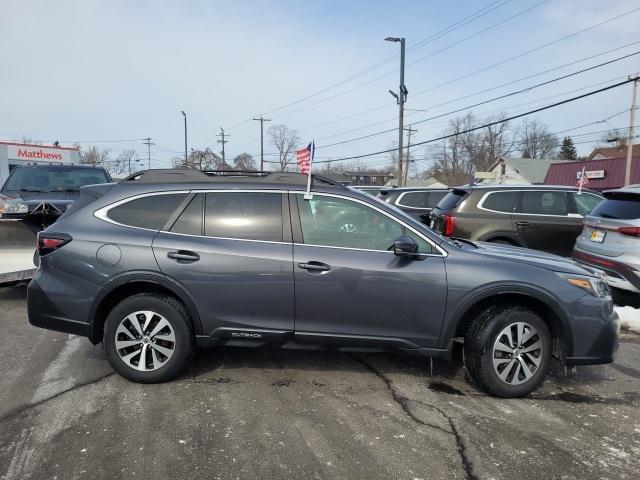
{"x": 619, "y": 275}
{"x": 43, "y": 313}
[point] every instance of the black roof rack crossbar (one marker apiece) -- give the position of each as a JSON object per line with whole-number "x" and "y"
{"x": 187, "y": 175}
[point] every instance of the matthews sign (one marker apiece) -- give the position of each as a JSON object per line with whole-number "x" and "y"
{"x": 14, "y": 154}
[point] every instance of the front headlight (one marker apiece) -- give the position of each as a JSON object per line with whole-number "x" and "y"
{"x": 10, "y": 205}
{"x": 596, "y": 286}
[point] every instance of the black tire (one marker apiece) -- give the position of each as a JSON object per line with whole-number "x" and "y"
{"x": 180, "y": 326}
{"x": 479, "y": 351}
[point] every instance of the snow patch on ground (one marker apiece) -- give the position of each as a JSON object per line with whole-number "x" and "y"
{"x": 629, "y": 318}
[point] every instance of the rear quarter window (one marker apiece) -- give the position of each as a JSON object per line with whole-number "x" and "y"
{"x": 618, "y": 206}
{"x": 152, "y": 211}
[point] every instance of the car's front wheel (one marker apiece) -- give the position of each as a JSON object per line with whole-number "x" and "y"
{"x": 508, "y": 350}
{"x": 147, "y": 338}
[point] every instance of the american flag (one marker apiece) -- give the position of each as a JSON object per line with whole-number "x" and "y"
{"x": 583, "y": 180}
{"x": 304, "y": 157}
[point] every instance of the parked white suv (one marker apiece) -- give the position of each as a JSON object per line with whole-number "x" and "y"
{"x": 610, "y": 239}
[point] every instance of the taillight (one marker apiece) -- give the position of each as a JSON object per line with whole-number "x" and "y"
{"x": 48, "y": 243}
{"x": 449, "y": 224}
{"x": 631, "y": 231}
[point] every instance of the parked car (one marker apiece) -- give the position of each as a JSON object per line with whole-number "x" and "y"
{"x": 32, "y": 198}
{"x": 415, "y": 201}
{"x": 540, "y": 217}
{"x": 370, "y": 190}
{"x": 610, "y": 239}
{"x": 169, "y": 259}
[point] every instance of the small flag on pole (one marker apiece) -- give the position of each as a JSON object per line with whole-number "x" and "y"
{"x": 304, "y": 158}
{"x": 583, "y": 181}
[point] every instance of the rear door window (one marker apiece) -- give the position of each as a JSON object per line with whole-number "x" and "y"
{"x": 585, "y": 202}
{"x": 536, "y": 202}
{"x": 244, "y": 215}
{"x": 190, "y": 220}
{"x": 620, "y": 207}
{"x": 504, "y": 202}
{"x": 151, "y": 211}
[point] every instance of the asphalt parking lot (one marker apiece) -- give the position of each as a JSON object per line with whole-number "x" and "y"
{"x": 241, "y": 413}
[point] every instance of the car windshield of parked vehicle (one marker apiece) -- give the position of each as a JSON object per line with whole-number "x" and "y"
{"x": 619, "y": 206}
{"x": 337, "y": 222}
{"x": 585, "y": 202}
{"x": 53, "y": 179}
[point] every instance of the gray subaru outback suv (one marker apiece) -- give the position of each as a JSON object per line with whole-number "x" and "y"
{"x": 167, "y": 260}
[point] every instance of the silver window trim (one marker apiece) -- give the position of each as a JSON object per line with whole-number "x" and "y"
{"x": 481, "y": 202}
{"x": 102, "y": 213}
{"x": 443, "y": 252}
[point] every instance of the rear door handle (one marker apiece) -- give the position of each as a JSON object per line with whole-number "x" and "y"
{"x": 523, "y": 224}
{"x": 314, "y": 266}
{"x": 183, "y": 256}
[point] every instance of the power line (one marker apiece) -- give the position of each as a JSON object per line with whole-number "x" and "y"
{"x": 455, "y": 26}
{"x": 490, "y": 124}
{"x": 484, "y": 102}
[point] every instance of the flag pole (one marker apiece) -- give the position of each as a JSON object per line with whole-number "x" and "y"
{"x": 581, "y": 180}
{"x": 308, "y": 196}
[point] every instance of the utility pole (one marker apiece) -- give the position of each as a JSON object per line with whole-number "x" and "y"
{"x": 410, "y": 131}
{"x": 186, "y": 157}
{"x": 262, "y": 120}
{"x": 148, "y": 143}
{"x": 632, "y": 119}
{"x": 222, "y": 141}
{"x": 401, "y": 98}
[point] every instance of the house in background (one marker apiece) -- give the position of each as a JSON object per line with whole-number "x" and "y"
{"x": 613, "y": 152}
{"x": 520, "y": 171}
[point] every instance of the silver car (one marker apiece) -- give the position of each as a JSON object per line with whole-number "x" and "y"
{"x": 610, "y": 239}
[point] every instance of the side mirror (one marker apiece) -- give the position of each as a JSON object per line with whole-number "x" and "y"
{"x": 406, "y": 246}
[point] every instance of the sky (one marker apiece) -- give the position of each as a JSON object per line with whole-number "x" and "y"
{"x": 109, "y": 73}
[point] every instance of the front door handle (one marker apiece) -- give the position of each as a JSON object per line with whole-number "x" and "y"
{"x": 314, "y": 266}
{"x": 523, "y": 224}
{"x": 183, "y": 256}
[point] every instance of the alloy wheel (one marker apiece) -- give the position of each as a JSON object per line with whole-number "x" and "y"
{"x": 517, "y": 353}
{"x": 145, "y": 340}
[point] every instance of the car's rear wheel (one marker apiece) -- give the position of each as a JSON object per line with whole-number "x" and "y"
{"x": 502, "y": 241}
{"x": 508, "y": 350}
{"x": 147, "y": 338}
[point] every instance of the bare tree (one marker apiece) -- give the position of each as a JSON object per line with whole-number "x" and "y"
{"x": 244, "y": 161}
{"x": 122, "y": 163}
{"x": 95, "y": 156}
{"x": 202, "y": 160}
{"x": 284, "y": 140}
{"x": 614, "y": 138}
{"x": 536, "y": 141}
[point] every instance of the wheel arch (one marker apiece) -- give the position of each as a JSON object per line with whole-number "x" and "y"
{"x": 131, "y": 284}
{"x": 508, "y": 236}
{"x": 537, "y": 300}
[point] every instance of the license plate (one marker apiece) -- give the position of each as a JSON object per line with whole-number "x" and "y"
{"x": 597, "y": 236}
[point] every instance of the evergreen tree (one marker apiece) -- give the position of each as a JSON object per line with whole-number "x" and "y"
{"x": 568, "y": 150}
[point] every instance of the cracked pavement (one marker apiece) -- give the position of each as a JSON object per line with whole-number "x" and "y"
{"x": 266, "y": 413}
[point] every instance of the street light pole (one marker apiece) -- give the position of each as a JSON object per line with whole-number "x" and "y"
{"x": 186, "y": 162}
{"x": 401, "y": 97}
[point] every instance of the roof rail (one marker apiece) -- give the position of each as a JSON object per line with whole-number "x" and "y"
{"x": 188, "y": 175}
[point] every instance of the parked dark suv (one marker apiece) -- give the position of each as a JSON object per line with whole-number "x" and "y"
{"x": 415, "y": 201}
{"x": 166, "y": 260}
{"x": 540, "y": 217}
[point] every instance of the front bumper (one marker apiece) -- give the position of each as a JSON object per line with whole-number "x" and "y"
{"x": 595, "y": 326}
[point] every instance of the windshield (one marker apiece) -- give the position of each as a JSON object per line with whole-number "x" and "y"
{"x": 53, "y": 179}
